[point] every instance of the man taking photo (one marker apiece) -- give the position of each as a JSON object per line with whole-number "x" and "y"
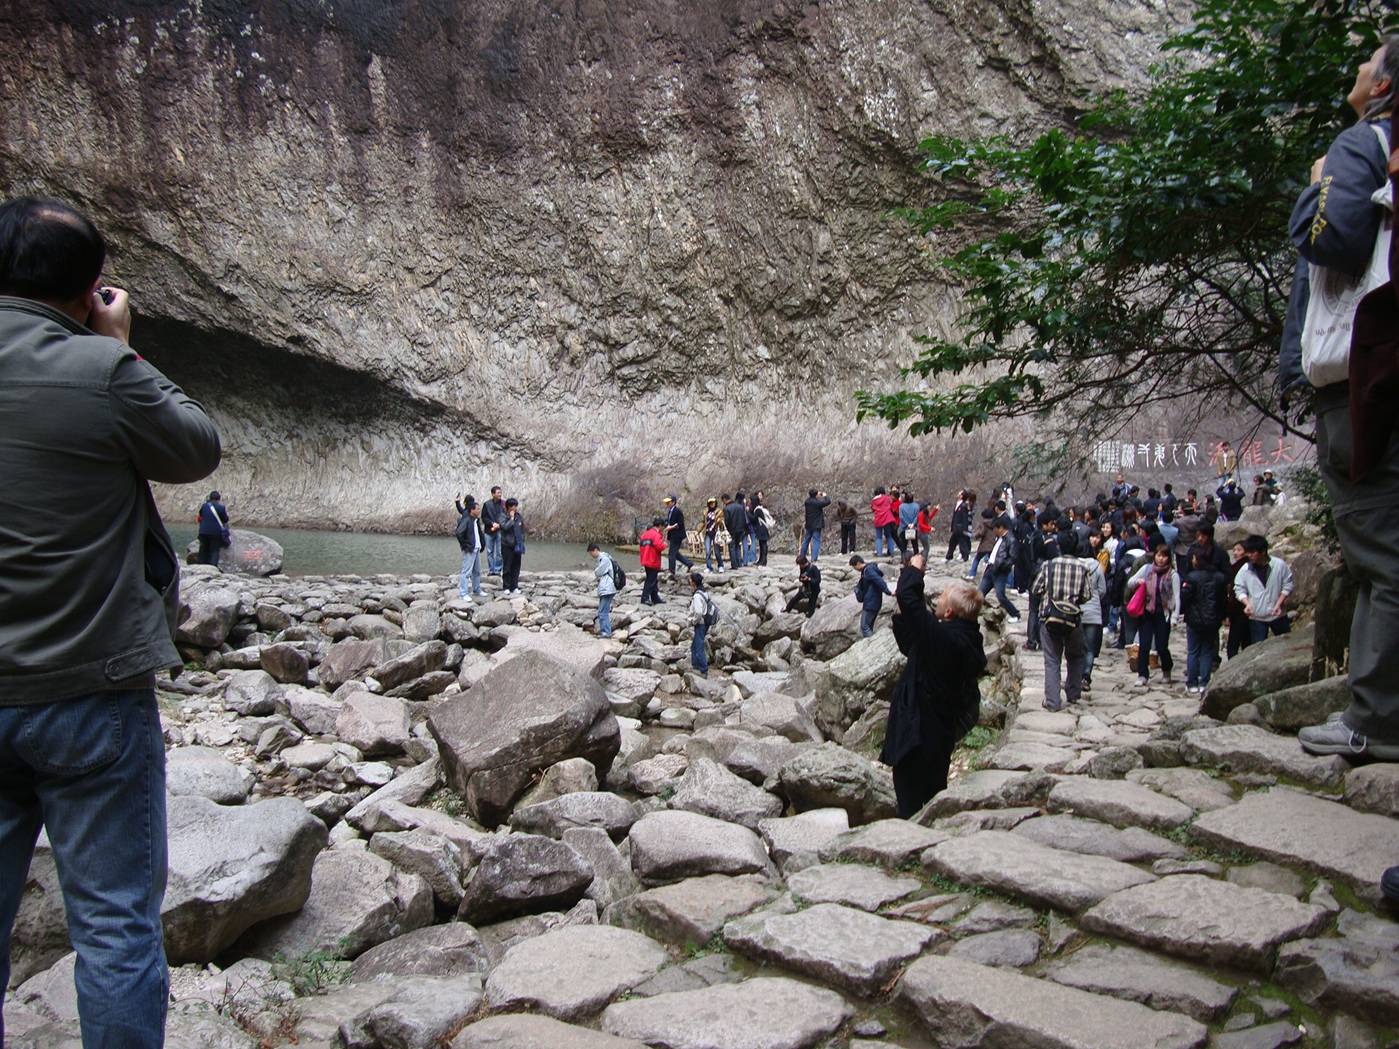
{"x": 91, "y": 591}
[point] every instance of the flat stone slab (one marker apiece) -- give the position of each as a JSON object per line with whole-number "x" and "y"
{"x": 692, "y": 911}
{"x": 888, "y": 843}
{"x": 1118, "y": 802}
{"x": 767, "y": 1013}
{"x": 1206, "y": 920}
{"x": 803, "y": 836}
{"x": 977, "y": 790}
{"x": 835, "y": 944}
{"x": 1027, "y": 756}
{"x": 964, "y": 1004}
{"x": 1074, "y": 834}
{"x": 572, "y": 972}
{"x": 1014, "y": 948}
{"x": 1140, "y": 976}
{"x": 670, "y": 845}
{"x": 1299, "y": 830}
{"x": 1015, "y": 865}
{"x": 1059, "y": 722}
{"x": 1357, "y": 972}
{"x": 1249, "y": 748}
{"x": 536, "y": 1032}
{"x": 1193, "y": 787}
{"x": 851, "y": 884}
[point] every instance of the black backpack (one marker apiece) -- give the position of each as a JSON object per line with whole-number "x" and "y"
{"x": 711, "y": 611}
{"x": 619, "y": 577}
{"x": 463, "y": 529}
{"x": 1061, "y": 617}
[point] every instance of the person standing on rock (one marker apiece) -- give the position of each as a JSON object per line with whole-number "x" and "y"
{"x": 471, "y": 537}
{"x": 809, "y": 590}
{"x": 1060, "y": 590}
{"x": 985, "y": 540}
{"x": 1263, "y": 587}
{"x": 512, "y": 548}
{"x": 703, "y": 613}
{"x": 999, "y": 565}
{"x": 883, "y": 517}
{"x": 1159, "y": 608}
{"x": 715, "y": 536}
{"x": 652, "y": 541}
{"x": 1203, "y": 594}
{"x": 736, "y": 523}
{"x": 606, "y": 588}
{"x": 869, "y": 591}
{"x": 815, "y": 508}
{"x": 91, "y": 595}
{"x": 960, "y": 539}
{"x": 926, "y": 516}
{"x": 213, "y": 529}
{"x": 675, "y": 534}
{"x": 937, "y": 700}
{"x": 492, "y": 514}
{"x": 847, "y": 519}
{"x": 760, "y": 525}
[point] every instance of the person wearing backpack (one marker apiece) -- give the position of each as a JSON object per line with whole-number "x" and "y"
{"x": 869, "y": 591}
{"x": 1060, "y": 591}
{"x": 1203, "y": 598}
{"x": 652, "y": 541}
{"x": 1153, "y": 597}
{"x": 471, "y": 537}
{"x": 606, "y": 571}
{"x": 1093, "y": 611}
{"x": 704, "y": 613}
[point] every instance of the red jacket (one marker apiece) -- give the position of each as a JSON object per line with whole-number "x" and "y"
{"x": 925, "y": 519}
{"x": 651, "y": 554}
{"x": 882, "y": 515}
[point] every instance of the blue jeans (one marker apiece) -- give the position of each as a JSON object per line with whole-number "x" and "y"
{"x": 494, "y": 563}
{"x": 976, "y": 565}
{"x": 1201, "y": 651}
{"x": 604, "y": 614}
{"x": 92, "y": 772}
{"x": 868, "y": 614}
{"x": 879, "y": 538}
{"x": 470, "y": 572}
{"x": 812, "y": 538}
{"x": 698, "y": 658}
{"x": 713, "y": 551}
{"x": 991, "y": 578}
{"x": 1259, "y": 629}
{"x": 1092, "y": 646}
{"x": 749, "y": 557}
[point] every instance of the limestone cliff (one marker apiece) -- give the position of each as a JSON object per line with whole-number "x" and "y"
{"x": 402, "y": 247}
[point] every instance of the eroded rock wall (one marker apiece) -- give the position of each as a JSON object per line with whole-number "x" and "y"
{"x": 402, "y": 247}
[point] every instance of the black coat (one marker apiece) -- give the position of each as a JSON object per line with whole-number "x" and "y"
{"x": 816, "y": 513}
{"x": 936, "y": 697}
{"x": 736, "y": 520}
{"x": 1203, "y": 595}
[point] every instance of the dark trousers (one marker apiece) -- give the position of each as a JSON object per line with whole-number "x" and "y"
{"x": 1240, "y": 634}
{"x": 960, "y": 543}
{"x": 991, "y": 578}
{"x": 1259, "y": 629}
{"x": 763, "y": 552}
{"x": 651, "y": 589}
{"x": 1154, "y": 628}
{"x": 676, "y": 555}
{"x": 847, "y": 537}
{"x": 510, "y": 570}
{"x": 891, "y": 537}
{"x": 210, "y": 546}
{"x": 1032, "y": 629}
{"x": 921, "y": 775}
{"x": 804, "y": 596}
{"x": 736, "y": 554}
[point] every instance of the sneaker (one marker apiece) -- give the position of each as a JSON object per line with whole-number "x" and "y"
{"x": 1052, "y": 710}
{"x": 1141, "y": 682}
{"x": 1013, "y": 619}
{"x": 1336, "y": 737}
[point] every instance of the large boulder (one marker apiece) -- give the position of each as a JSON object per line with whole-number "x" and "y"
{"x": 350, "y": 659}
{"x": 375, "y": 724}
{"x": 524, "y": 874}
{"x": 712, "y": 790}
{"x": 232, "y": 867}
{"x": 829, "y": 776}
{"x": 522, "y": 717}
{"x": 833, "y": 628}
{"x": 251, "y": 693}
{"x": 249, "y": 554}
{"x": 356, "y": 900}
{"x": 568, "y": 645}
{"x": 205, "y": 772}
{"x": 669, "y": 846}
{"x": 417, "y": 661}
{"x": 1271, "y": 666}
{"x": 207, "y": 614}
{"x": 863, "y": 674}
{"x": 1303, "y": 705}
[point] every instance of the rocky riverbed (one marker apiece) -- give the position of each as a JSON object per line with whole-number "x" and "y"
{"x": 399, "y": 819}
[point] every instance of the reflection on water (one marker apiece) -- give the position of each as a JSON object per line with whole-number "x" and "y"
{"x": 365, "y": 553}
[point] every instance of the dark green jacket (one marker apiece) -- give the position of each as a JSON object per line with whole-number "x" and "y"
{"x": 89, "y": 581}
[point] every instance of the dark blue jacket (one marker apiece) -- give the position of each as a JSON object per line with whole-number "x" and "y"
{"x": 213, "y": 519}
{"x": 871, "y": 588}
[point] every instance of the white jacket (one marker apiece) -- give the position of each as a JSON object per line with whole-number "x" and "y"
{"x": 1265, "y": 596}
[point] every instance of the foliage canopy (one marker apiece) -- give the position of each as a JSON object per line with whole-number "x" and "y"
{"x": 1141, "y": 257}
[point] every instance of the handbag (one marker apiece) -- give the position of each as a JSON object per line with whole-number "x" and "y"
{"x": 1136, "y": 605}
{"x": 1335, "y": 295}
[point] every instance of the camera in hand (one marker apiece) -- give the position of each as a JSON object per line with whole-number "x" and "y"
{"x": 106, "y": 295}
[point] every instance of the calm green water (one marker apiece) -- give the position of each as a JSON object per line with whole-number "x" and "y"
{"x": 364, "y": 553}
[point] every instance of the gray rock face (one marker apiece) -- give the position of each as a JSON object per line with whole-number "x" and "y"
{"x": 1374, "y": 788}
{"x": 833, "y": 629}
{"x": 1010, "y": 948}
{"x": 796, "y": 841}
{"x": 1276, "y": 664}
{"x": 858, "y": 679}
{"x": 712, "y": 790}
{"x": 965, "y": 1004}
{"x": 252, "y": 693}
{"x": 376, "y": 725}
{"x": 232, "y": 867}
{"x": 421, "y": 1012}
{"x": 613, "y": 879}
{"x": 435, "y": 859}
{"x": 1249, "y": 748}
{"x": 1301, "y": 830}
{"x": 781, "y": 714}
{"x": 839, "y": 945}
{"x": 669, "y": 846}
{"x": 852, "y": 884}
{"x": 600, "y": 809}
{"x": 350, "y": 659}
{"x": 829, "y": 776}
{"x": 417, "y": 661}
{"x": 1202, "y": 919}
{"x": 1357, "y": 972}
{"x": 693, "y": 911}
{"x": 1140, "y": 976}
{"x": 1303, "y": 705}
{"x": 453, "y": 949}
{"x": 524, "y": 874}
{"x": 522, "y": 717}
{"x": 1017, "y": 866}
{"x": 767, "y": 1013}
{"x": 572, "y": 973}
{"x": 207, "y": 614}
{"x": 206, "y": 773}
{"x": 357, "y": 900}
{"x": 536, "y": 1032}
{"x": 1193, "y": 787}
{"x": 286, "y": 663}
{"x": 1123, "y": 804}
